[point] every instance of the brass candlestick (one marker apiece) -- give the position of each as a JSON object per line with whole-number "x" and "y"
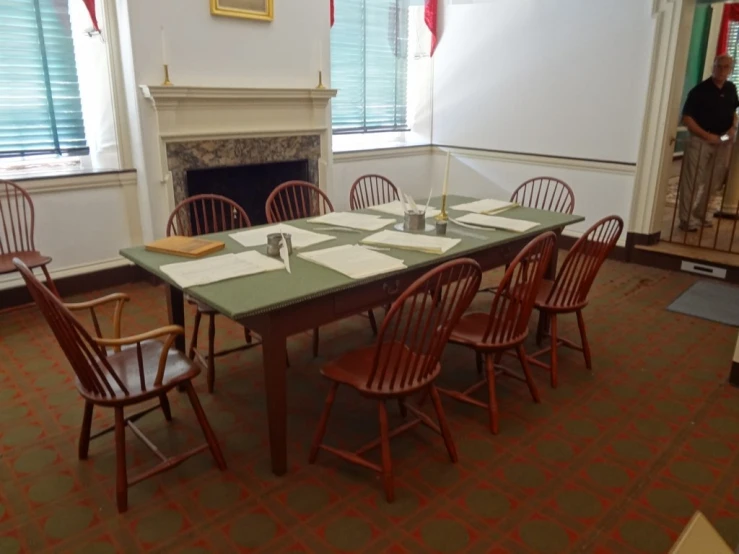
{"x": 320, "y": 81}
{"x": 443, "y": 216}
{"x": 167, "y": 82}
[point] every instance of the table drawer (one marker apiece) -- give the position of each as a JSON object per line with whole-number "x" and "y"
{"x": 373, "y": 294}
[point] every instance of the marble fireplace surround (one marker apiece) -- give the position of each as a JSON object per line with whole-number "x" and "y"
{"x": 201, "y": 154}
{"x": 208, "y": 127}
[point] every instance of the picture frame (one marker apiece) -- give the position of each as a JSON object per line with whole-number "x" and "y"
{"x": 262, "y": 10}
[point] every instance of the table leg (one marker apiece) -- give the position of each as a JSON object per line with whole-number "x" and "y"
{"x": 542, "y": 329}
{"x": 176, "y": 313}
{"x": 274, "y": 353}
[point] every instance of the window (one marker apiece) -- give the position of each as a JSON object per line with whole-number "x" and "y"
{"x": 369, "y": 65}
{"x": 733, "y": 48}
{"x": 40, "y": 106}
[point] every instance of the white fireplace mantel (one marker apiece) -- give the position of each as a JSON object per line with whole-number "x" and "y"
{"x": 185, "y": 113}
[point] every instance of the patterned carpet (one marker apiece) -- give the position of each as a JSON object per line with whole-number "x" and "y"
{"x": 613, "y": 461}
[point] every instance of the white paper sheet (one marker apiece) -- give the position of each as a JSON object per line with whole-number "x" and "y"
{"x": 495, "y": 222}
{"x": 485, "y": 206}
{"x": 301, "y": 238}
{"x": 220, "y": 268}
{"x": 353, "y": 220}
{"x": 396, "y": 208}
{"x": 412, "y": 241}
{"x": 354, "y": 261}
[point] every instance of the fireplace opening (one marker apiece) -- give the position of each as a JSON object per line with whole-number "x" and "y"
{"x": 247, "y": 185}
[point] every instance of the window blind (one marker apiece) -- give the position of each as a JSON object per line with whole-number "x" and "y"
{"x": 734, "y": 48}
{"x": 40, "y": 107}
{"x": 369, "y": 65}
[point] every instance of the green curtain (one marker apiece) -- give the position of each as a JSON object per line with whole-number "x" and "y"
{"x": 369, "y": 65}
{"x": 40, "y": 108}
{"x": 698, "y": 46}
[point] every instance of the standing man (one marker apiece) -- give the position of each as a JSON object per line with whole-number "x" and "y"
{"x": 710, "y": 116}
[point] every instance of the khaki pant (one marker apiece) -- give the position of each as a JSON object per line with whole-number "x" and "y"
{"x": 703, "y": 171}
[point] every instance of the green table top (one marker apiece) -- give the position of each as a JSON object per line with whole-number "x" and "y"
{"x": 257, "y": 294}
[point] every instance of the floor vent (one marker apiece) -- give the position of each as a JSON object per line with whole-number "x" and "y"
{"x": 703, "y": 269}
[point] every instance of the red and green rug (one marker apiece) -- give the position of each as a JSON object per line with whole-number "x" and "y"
{"x": 613, "y": 461}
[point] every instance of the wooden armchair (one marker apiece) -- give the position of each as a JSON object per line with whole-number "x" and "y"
{"x": 17, "y": 221}
{"x": 136, "y": 369}
{"x": 372, "y": 190}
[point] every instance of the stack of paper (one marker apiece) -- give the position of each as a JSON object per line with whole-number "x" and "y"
{"x": 486, "y": 206}
{"x": 411, "y": 241}
{"x": 495, "y": 222}
{"x": 396, "y": 208}
{"x": 354, "y": 261}
{"x": 353, "y": 220}
{"x": 219, "y": 268}
{"x": 300, "y": 238}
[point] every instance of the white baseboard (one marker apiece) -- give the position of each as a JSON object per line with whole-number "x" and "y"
{"x": 14, "y": 280}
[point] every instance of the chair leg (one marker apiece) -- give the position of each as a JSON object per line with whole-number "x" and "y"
{"x": 553, "y": 352}
{"x": 445, "y": 433}
{"x": 164, "y": 403}
{"x": 322, "y": 423}
{"x": 527, "y": 372}
{"x": 478, "y": 361}
{"x": 211, "y": 376}
{"x": 493, "y": 400}
{"x": 402, "y": 408}
{"x": 387, "y": 465}
{"x": 247, "y": 336}
{"x": 194, "y": 339}
{"x": 121, "y": 478}
{"x": 584, "y": 340}
{"x": 49, "y": 282}
{"x": 210, "y": 436}
{"x": 373, "y": 322}
{"x": 84, "y": 445}
{"x": 316, "y": 338}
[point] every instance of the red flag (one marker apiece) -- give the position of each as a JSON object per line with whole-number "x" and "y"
{"x": 332, "y": 13}
{"x": 91, "y": 9}
{"x": 430, "y": 17}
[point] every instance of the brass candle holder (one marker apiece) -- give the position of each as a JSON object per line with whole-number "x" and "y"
{"x": 320, "y": 86}
{"x": 167, "y": 82}
{"x": 443, "y": 216}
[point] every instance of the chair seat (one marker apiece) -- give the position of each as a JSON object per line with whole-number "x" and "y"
{"x": 543, "y": 296}
{"x": 126, "y": 366}
{"x": 470, "y": 332}
{"x": 354, "y": 369}
{"x": 31, "y": 259}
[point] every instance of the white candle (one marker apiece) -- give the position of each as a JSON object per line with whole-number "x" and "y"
{"x": 446, "y": 175}
{"x": 164, "y": 47}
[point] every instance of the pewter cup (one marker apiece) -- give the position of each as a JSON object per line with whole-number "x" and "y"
{"x": 274, "y": 243}
{"x": 414, "y": 221}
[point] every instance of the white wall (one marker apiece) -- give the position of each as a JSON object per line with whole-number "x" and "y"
{"x": 549, "y": 77}
{"x": 408, "y": 168}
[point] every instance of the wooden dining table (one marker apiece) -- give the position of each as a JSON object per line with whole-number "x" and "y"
{"x": 279, "y": 304}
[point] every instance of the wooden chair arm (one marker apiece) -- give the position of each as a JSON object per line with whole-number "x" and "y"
{"x": 169, "y": 331}
{"x": 118, "y": 297}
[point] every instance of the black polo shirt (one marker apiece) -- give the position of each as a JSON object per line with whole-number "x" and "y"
{"x": 711, "y": 107}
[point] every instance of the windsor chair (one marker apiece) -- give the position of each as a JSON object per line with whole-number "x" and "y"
{"x": 17, "y": 222}
{"x": 372, "y": 190}
{"x": 568, "y": 292}
{"x": 404, "y": 361}
{"x": 505, "y": 326}
{"x": 200, "y": 215}
{"x": 137, "y": 369}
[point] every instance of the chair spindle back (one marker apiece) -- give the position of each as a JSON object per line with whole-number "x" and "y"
{"x": 545, "y": 193}
{"x": 296, "y": 200}
{"x": 583, "y": 261}
{"x": 206, "y": 213}
{"x": 17, "y": 219}
{"x": 418, "y": 324}
{"x": 372, "y": 190}
{"x": 516, "y": 294}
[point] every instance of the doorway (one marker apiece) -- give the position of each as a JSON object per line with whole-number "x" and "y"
{"x": 714, "y": 224}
